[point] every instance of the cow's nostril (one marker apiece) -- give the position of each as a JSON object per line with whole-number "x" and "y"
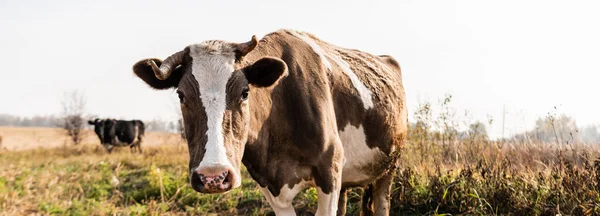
{"x": 214, "y": 182}
{"x": 227, "y": 179}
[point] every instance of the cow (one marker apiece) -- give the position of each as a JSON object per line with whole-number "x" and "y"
{"x": 297, "y": 111}
{"x": 118, "y": 133}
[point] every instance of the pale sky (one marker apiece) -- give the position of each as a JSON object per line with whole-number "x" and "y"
{"x": 526, "y": 55}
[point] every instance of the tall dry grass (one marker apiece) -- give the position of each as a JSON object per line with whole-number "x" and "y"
{"x": 441, "y": 172}
{"x": 496, "y": 178}
{"x": 445, "y": 171}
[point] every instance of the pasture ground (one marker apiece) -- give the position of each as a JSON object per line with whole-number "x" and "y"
{"x": 472, "y": 178}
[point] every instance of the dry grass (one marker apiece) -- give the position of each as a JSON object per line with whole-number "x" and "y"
{"x": 85, "y": 180}
{"x": 472, "y": 177}
{"x": 499, "y": 178}
{"x": 82, "y": 180}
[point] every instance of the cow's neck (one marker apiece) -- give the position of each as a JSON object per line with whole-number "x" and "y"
{"x": 265, "y": 106}
{"x": 261, "y": 102}
{"x": 277, "y": 135}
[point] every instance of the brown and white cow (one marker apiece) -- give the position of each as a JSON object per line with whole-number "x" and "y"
{"x": 295, "y": 110}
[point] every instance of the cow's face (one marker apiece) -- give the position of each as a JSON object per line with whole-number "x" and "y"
{"x": 214, "y": 91}
{"x": 98, "y": 128}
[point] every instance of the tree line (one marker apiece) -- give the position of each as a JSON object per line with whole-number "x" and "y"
{"x": 54, "y": 121}
{"x": 35, "y": 121}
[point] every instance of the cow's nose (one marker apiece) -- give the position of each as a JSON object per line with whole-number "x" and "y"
{"x": 216, "y": 181}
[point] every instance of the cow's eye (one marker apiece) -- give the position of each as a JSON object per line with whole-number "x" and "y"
{"x": 181, "y": 96}
{"x": 245, "y": 94}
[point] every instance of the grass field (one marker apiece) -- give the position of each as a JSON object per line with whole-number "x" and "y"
{"x": 466, "y": 177}
{"x": 48, "y": 175}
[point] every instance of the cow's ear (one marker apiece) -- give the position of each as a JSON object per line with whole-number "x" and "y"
{"x": 91, "y": 122}
{"x": 265, "y": 72}
{"x": 143, "y": 70}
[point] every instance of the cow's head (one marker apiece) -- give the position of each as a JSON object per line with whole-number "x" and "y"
{"x": 98, "y": 128}
{"x": 213, "y": 88}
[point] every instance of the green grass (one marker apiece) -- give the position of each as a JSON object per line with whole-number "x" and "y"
{"x": 498, "y": 180}
{"x": 79, "y": 181}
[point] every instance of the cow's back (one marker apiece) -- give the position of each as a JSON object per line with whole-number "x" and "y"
{"x": 369, "y": 103}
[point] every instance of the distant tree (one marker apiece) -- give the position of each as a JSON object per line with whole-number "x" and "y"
{"x": 179, "y": 124}
{"x": 181, "y": 128}
{"x": 35, "y": 121}
{"x": 172, "y": 126}
{"x": 478, "y": 131}
{"x": 72, "y": 116}
{"x": 448, "y": 126}
{"x": 590, "y": 134}
{"x": 560, "y": 129}
{"x": 158, "y": 124}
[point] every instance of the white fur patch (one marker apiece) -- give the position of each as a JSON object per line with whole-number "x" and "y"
{"x": 357, "y": 154}
{"x": 212, "y": 69}
{"x": 136, "y": 134}
{"x": 363, "y": 91}
{"x": 315, "y": 47}
{"x": 120, "y": 143}
{"x": 282, "y": 204}
{"x": 327, "y": 203}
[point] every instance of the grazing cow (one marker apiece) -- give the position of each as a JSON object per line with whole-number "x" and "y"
{"x": 295, "y": 110}
{"x": 117, "y": 133}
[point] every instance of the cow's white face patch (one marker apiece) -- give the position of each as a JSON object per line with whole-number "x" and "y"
{"x": 212, "y": 68}
{"x": 357, "y": 154}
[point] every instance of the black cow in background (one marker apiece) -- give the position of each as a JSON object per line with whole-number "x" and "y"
{"x": 118, "y": 133}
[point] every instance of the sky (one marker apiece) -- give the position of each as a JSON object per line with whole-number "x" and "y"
{"x": 522, "y": 58}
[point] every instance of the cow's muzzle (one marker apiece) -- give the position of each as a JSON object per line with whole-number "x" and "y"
{"x": 216, "y": 181}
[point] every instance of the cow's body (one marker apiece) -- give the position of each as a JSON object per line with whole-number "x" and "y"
{"x": 337, "y": 120}
{"x": 332, "y": 98}
{"x": 119, "y": 133}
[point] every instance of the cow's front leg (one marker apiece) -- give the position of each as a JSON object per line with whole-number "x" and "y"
{"x": 342, "y": 202}
{"x": 328, "y": 202}
{"x": 381, "y": 197}
{"x": 282, "y": 203}
{"x": 108, "y": 147}
{"x": 328, "y": 179}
